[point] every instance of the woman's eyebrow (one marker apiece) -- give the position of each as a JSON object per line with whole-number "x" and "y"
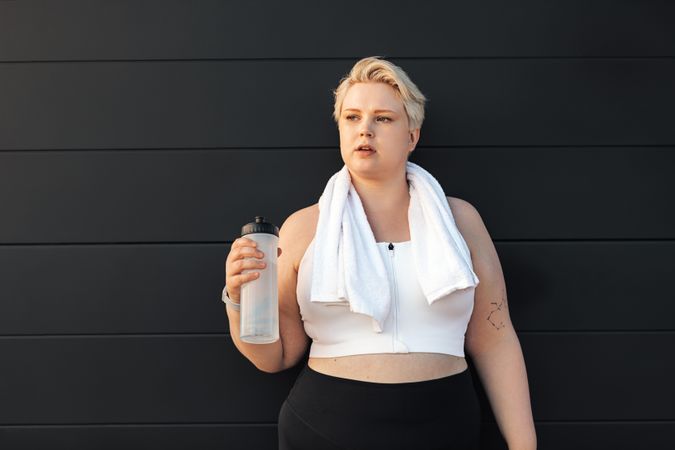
{"x": 377, "y": 110}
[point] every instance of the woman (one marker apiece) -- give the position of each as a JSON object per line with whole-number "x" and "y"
{"x": 406, "y": 384}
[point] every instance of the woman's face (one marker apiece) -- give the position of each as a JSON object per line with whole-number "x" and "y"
{"x": 372, "y": 114}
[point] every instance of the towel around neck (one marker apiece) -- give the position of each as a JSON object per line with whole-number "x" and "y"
{"x": 348, "y": 266}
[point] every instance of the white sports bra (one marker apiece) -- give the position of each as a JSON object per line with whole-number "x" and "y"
{"x": 412, "y": 325}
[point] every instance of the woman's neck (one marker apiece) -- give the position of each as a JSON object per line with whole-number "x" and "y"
{"x": 381, "y": 199}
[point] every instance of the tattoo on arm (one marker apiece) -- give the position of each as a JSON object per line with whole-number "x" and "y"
{"x": 495, "y": 317}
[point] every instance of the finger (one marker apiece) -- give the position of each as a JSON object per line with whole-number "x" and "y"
{"x": 234, "y": 281}
{"x": 244, "y": 264}
{"x": 246, "y": 277}
{"x": 248, "y": 252}
{"x": 244, "y": 242}
{"x": 241, "y": 253}
{"x": 240, "y": 265}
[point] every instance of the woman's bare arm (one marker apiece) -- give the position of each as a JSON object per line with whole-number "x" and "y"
{"x": 491, "y": 339}
{"x": 292, "y": 343}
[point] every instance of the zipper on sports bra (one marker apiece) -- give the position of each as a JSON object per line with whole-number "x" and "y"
{"x": 393, "y": 271}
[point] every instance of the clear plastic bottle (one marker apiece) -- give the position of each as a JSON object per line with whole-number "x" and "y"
{"x": 259, "y": 315}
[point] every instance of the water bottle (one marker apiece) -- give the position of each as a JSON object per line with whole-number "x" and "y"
{"x": 259, "y": 300}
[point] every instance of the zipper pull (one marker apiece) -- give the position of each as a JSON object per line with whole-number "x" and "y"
{"x": 391, "y": 246}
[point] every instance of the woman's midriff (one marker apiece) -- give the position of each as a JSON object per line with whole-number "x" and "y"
{"x": 390, "y": 367}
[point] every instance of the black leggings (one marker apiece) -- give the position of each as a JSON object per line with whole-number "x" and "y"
{"x": 327, "y": 412}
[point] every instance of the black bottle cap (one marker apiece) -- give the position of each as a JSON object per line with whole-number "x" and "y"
{"x": 260, "y": 226}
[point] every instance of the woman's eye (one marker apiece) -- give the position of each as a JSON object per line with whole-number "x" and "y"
{"x": 386, "y": 119}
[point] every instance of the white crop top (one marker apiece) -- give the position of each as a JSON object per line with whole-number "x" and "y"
{"x": 412, "y": 325}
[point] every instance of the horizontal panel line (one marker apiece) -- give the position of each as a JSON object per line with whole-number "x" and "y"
{"x": 227, "y": 242}
{"x": 144, "y": 425}
{"x": 550, "y": 332}
{"x": 274, "y": 424}
{"x": 588, "y": 240}
{"x": 227, "y": 335}
{"x": 331, "y": 148}
{"x": 116, "y": 335}
{"x": 341, "y": 58}
{"x": 607, "y": 422}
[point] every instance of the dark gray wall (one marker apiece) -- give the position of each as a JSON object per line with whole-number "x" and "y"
{"x": 133, "y": 135}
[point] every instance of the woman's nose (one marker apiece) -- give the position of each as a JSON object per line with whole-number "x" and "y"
{"x": 365, "y": 131}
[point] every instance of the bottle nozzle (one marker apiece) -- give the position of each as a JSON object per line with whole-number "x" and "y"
{"x": 260, "y": 225}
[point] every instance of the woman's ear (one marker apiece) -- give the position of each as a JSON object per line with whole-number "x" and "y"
{"x": 414, "y": 137}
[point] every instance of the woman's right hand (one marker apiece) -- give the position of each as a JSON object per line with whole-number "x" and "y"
{"x": 239, "y": 259}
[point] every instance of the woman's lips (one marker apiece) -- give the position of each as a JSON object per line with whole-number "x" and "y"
{"x": 364, "y": 148}
{"x": 364, "y": 152}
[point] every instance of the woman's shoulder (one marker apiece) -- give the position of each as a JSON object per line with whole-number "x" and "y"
{"x": 306, "y": 220}
{"x": 297, "y": 232}
{"x": 461, "y": 207}
{"x": 469, "y": 222}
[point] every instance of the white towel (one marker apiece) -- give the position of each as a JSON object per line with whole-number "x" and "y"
{"x": 348, "y": 266}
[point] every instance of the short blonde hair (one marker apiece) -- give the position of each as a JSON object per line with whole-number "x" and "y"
{"x": 376, "y": 69}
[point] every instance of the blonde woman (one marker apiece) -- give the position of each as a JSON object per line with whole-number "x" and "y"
{"x": 406, "y": 383}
